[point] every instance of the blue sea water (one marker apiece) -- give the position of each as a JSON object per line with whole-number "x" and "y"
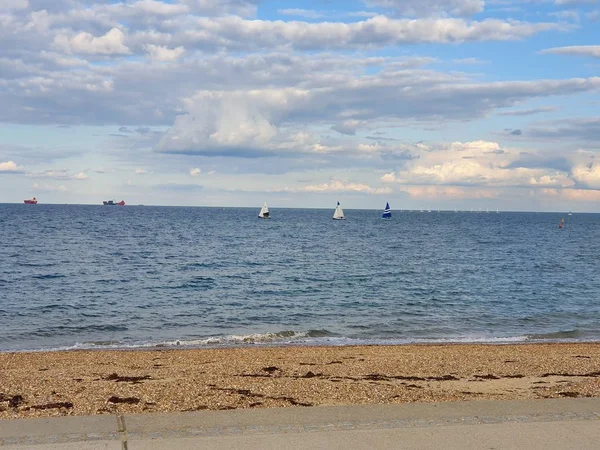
{"x": 76, "y": 276}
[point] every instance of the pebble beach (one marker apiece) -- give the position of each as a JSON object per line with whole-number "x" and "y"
{"x": 36, "y": 384}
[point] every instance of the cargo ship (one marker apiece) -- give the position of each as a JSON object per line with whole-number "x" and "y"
{"x": 31, "y": 201}
{"x": 112, "y": 203}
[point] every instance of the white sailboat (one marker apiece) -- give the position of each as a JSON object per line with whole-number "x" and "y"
{"x": 339, "y": 213}
{"x": 570, "y": 213}
{"x": 264, "y": 212}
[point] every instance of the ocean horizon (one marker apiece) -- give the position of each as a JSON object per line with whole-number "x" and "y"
{"x": 92, "y": 277}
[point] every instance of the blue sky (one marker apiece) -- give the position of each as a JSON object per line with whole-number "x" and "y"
{"x": 422, "y": 103}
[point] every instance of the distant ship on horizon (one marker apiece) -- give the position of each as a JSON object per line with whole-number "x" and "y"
{"x": 31, "y": 201}
{"x": 112, "y": 203}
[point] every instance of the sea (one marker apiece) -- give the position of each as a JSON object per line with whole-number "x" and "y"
{"x": 92, "y": 277}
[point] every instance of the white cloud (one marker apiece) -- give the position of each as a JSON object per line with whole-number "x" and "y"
{"x": 380, "y": 31}
{"x": 10, "y": 166}
{"x": 306, "y": 13}
{"x": 576, "y": 50}
{"x": 476, "y": 163}
{"x": 587, "y": 175}
{"x": 14, "y": 4}
{"x": 340, "y": 186}
{"x": 243, "y": 8}
{"x": 468, "y": 61}
{"x": 111, "y": 43}
{"x": 141, "y": 171}
{"x": 196, "y": 171}
{"x": 162, "y": 53}
{"x": 50, "y": 188}
{"x": 80, "y": 176}
{"x": 348, "y": 127}
{"x": 159, "y": 8}
{"x": 58, "y": 174}
{"x": 528, "y": 112}
{"x": 449, "y": 192}
{"x": 220, "y": 119}
{"x": 431, "y": 7}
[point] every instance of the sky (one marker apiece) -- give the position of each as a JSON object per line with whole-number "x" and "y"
{"x": 438, "y": 104}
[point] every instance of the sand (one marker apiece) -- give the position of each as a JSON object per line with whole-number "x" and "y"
{"x": 159, "y": 380}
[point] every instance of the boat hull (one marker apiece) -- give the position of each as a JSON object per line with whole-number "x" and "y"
{"x": 30, "y": 202}
{"x": 112, "y": 203}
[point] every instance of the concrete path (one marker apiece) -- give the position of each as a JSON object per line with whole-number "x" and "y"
{"x": 536, "y": 424}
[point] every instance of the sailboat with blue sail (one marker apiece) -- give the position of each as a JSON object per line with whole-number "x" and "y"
{"x": 387, "y": 213}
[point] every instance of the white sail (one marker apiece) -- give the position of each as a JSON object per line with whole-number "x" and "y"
{"x": 264, "y": 212}
{"x": 339, "y": 213}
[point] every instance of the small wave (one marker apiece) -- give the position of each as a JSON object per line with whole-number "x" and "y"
{"x": 566, "y": 334}
{"x": 49, "y": 276}
{"x": 36, "y": 264}
{"x": 65, "y": 330}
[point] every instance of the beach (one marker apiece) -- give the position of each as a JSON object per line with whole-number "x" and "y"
{"x": 37, "y": 384}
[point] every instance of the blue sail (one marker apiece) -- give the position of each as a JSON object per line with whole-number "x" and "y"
{"x": 387, "y": 214}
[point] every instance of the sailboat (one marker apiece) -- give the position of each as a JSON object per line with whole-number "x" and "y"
{"x": 570, "y": 213}
{"x": 339, "y": 213}
{"x": 264, "y": 212}
{"x": 387, "y": 213}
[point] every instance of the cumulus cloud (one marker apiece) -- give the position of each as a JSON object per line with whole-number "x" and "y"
{"x": 141, "y": 171}
{"x": 10, "y": 166}
{"x": 220, "y": 119}
{"x": 587, "y": 175}
{"x": 236, "y": 33}
{"x": 111, "y": 43}
{"x": 476, "y": 163}
{"x": 162, "y": 53}
{"x": 195, "y": 171}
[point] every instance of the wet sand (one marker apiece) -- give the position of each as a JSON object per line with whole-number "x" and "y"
{"x": 160, "y": 380}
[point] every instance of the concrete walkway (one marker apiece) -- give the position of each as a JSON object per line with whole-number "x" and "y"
{"x": 536, "y": 424}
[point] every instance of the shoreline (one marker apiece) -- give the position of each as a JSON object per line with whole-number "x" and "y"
{"x": 258, "y": 344}
{"x": 100, "y": 381}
